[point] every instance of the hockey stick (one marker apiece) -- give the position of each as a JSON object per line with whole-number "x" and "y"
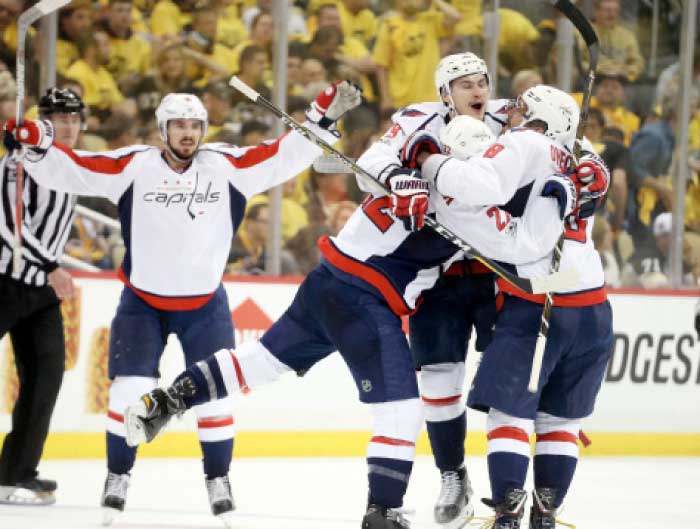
{"x": 584, "y": 27}
{"x": 25, "y": 20}
{"x": 534, "y": 285}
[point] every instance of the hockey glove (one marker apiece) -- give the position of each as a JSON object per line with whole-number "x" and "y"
{"x": 562, "y": 188}
{"x": 144, "y": 420}
{"x": 419, "y": 142}
{"x": 409, "y": 197}
{"x": 592, "y": 177}
{"x": 333, "y": 102}
{"x": 38, "y": 134}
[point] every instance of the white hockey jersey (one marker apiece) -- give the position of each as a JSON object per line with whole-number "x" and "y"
{"x": 177, "y": 227}
{"x": 374, "y": 250}
{"x": 509, "y": 173}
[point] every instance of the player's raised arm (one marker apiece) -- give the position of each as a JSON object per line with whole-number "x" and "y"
{"x": 256, "y": 169}
{"x": 58, "y": 167}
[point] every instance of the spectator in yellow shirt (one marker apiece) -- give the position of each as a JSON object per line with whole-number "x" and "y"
{"x": 230, "y": 29}
{"x": 261, "y": 34}
{"x": 130, "y": 54}
{"x": 517, "y": 37}
{"x": 168, "y": 18}
{"x": 210, "y": 61}
{"x": 619, "y": 47}
{"x": 351, "y": 52}
{"x": 610, "y": 99}
{"x": 101, "y": 93}
{"x": 252, "y": 68}
{"x": 9, "y": 12}
{"x": 216, "y": 98}
{"x": 358, "y": 21}
{"x": 468, "y": 30}
{"x": 407, "y": 51}
{"x": 74, "y": 21}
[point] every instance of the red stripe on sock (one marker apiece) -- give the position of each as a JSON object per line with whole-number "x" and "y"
{"x": 509, "y": 432}
{"x": 391, "y": 441}
{"x": 557, "y": 437}
{"x": 446, "y": 401}
{"x": 215, "y": 422}
{"x": 239, "y": 373}
{"x": 115, "y": 416}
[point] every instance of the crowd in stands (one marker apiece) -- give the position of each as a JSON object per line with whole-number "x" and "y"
{"x": 122, "y": 56}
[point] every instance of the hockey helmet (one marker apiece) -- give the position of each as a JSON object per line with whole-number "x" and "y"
{"x": 180, "y": 106}
{"x": 555, "y": 108}
{"x": 61, "y": 101}
{"x": 464, "y": 136}
{"x": 455, "y": 66}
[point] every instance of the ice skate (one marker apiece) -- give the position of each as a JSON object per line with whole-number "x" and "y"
{"x": 454, "y": 508}
{"x": 145, "y": 419}
{"x": 543, "y": 512}
{"x": 35, "y": 491}
{"x": 380, "y": 517}
{"x": 114, "y": 496}
{"x": 510, "y": 511}
{"x": 221, "y": 499}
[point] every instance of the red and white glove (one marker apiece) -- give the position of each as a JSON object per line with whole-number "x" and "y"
{"x": 592, "y": 178}
{"x": 409, "y": 197}
{"x": 419, "y": 142}
{"x": 38, "y": 134}
{"x": 335, "y": 100}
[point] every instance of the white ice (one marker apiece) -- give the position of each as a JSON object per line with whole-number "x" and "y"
{"x": 296, "y": 493}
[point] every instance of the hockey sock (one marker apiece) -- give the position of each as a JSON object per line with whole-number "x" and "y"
{"x": 388, "y": 480}
{"x": 556, "y": 453}
{"x": 445, "y": 416}
{"x": 120, "y": 456}
{"x": 508, "y": 452}
{"x": 216, "y": 457}
{"x": 447, "y": 441}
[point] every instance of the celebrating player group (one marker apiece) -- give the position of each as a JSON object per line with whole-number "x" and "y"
{"x": 500, "y": 174}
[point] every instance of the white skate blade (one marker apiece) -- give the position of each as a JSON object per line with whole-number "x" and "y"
{"x": 109, "y": 515}
{"x": 226, "y": 519}
{"x": 133, "y": 423}
{"x": 21, "y": 496}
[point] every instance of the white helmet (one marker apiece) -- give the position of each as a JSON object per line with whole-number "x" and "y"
{"x": 555, "y": 108}
{"x": 464, "y": 136}
{"x": 180, "y": 106}
{"x": 455, "y": 66}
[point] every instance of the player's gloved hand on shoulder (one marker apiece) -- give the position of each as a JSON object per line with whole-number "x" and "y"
{"x": 37, "y": 134}
{"x": 562, "y": 188}
{"x": 335, "y": 100}
{"x": 409, "y": 197}
{"x": 417, "y": 143}
{"x": 145, "y": 419}
{"x": 592, "y": 178}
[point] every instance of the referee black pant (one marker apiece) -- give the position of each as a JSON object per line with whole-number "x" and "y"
{"x": 32, "y": 316}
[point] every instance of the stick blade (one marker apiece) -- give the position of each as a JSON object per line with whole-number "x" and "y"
{"x": 556, "y": 282}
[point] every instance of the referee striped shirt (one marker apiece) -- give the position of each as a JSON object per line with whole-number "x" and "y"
{"x": 48, "y": 216}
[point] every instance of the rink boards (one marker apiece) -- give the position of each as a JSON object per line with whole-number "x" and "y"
{"x": 649, "y": 404}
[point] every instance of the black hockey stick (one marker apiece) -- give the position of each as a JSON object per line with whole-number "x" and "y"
{"x": 25, "y": 20}
{"x": 533, "y": 285}
{"x": 584, "y": 27}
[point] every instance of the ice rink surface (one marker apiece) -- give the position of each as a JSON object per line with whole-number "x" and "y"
{"x": 608, "y": 493}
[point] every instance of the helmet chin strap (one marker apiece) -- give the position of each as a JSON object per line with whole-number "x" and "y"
{"x": 452, "y": 110}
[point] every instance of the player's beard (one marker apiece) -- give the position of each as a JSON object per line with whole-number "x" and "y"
{"x": 181, "y": 155}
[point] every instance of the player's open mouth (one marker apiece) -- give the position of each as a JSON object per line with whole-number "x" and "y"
{"x": 477, "y": 106}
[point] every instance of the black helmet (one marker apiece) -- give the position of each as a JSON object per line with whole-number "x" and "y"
{"x": 61, "y": 100}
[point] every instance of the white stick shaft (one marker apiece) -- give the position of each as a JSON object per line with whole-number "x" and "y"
{"x": 537, "y": 363}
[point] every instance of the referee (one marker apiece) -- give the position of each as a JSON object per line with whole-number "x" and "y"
{"x": 30, "y": 307}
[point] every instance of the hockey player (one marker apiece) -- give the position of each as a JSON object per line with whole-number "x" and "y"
{"x": 464, "y": 295}
{"x": 580, "y": 329}
{"x": 372, "y": 273}
{"x": 179, "y": 209}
